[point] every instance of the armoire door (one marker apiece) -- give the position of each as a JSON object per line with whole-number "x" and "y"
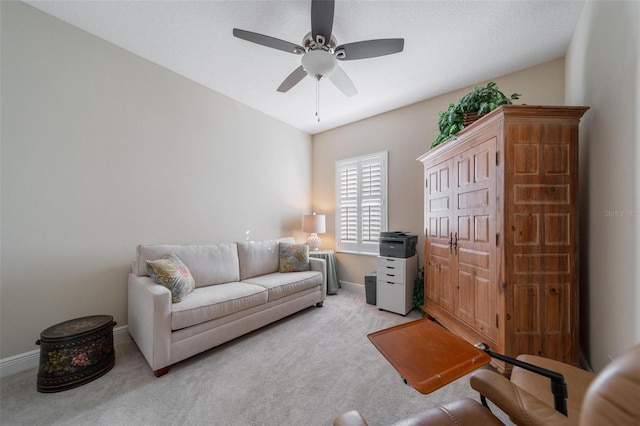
{"x": 474, "y": 237}
{"x": 439, "y": 234}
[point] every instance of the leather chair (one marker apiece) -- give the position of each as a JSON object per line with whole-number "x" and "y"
{"x": 465, "y": 411}
{"x": 610, "y": 398}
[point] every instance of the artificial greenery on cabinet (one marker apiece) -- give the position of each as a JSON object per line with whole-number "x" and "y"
{"x": 473, "y": 105}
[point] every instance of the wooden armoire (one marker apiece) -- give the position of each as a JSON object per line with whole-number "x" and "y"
{"x": 501, "y": 232}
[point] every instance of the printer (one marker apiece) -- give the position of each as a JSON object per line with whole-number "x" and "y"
{"x": 397, "y": 244}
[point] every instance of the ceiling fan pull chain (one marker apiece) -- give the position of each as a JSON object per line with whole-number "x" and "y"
{"x": 318, "y": 99}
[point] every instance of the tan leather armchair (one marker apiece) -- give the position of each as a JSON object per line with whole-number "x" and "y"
{"x": 610, "y": 398}
{"x": 465, "y": 411}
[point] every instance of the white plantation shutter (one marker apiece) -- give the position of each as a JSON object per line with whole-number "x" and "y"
{"x": 361, "y": 190}
{"x": 349, "y": 203}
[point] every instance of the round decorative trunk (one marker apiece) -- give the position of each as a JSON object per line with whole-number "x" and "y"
{"x": 75, "y": 352}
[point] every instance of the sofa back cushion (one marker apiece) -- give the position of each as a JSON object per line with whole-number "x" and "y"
{"x": 259, "y": 257}
{"x": 208, "y": 264}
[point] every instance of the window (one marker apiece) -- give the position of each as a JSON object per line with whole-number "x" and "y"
{"x": 361, "y": 202}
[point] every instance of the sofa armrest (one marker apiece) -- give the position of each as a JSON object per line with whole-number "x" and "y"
{"x": 320, "y": 265}
{"x": 523, "y": 408}
{"x": 149, "y": 320}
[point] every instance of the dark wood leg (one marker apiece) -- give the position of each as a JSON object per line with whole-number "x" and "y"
{"x": 161, "y": 372}
{"x": 319, "y": 304}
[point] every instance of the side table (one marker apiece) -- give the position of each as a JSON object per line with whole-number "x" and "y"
{"x": 427, "y": 355}
{"x": 332, "y": 276}
{"x": 75, "y": 352}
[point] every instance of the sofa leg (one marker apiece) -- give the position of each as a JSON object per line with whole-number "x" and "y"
{"x": 161, "y": 372}
{"x": 319, "y": 304}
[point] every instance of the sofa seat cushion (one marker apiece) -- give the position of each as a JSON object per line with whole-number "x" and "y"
{"x": 282, "y": 284}
{"x": 211, "y": 302}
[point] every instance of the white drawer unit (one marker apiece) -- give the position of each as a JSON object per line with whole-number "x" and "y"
{"x": 395, "y": 278}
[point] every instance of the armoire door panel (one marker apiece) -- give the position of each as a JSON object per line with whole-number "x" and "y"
{"x": 463, "y": 175}
{"x": 541, "y": 264}
{"x": 482, "y": 164}
{"x": 526, "y": 312}
{"x": 464, "y": 302}
{"x": 444, "y": 230}
{"x": 474, "y": 258}
{"x": 439, "y": 251}
{"x": 474, "y": 198}
{"x": 555, "y": 159}
{"x": 437, "y": 273}
{"x": 439, "y": 204}
{"x": 485, "y": 306}
{"x": 525, "y": 159}
{"x": 556, "y": 313}
{"x": 482, "y": 229}
{"x": 444, "y": 287}
{"x": 432, "y": 280}
{"x": 464, "y": 228}
{"x": 526, "y": 229}
{"x": 557, "y": 229}
{"x": 541, "y": 194}
{"x": 433, "y": 179}
{"x": 432, "y": 226}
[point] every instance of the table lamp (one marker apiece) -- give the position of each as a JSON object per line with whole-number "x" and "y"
{"x": 314, "y": 224}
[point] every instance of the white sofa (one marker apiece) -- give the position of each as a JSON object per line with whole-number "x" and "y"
{"x": 238, "y": 289}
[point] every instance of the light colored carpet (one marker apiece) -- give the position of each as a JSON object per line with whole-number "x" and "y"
{"x": 303, "y": 370}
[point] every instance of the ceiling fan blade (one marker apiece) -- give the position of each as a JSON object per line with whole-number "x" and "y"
{"x": 322, "y": 19}
{"x": 343, "y": 82}
{"x": 293, "y": 79}
{"x": 272, "y": 42}
{"x": 369, "y": 49}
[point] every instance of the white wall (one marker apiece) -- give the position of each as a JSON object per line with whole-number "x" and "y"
{"x": 407, "y": 133}
{"x": 101, "y": 151}
{"x": 603, "y": 71}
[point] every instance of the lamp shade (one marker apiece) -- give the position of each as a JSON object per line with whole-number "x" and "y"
{"x": 314, "y": 224}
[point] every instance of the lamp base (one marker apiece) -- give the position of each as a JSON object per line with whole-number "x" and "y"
{"x": 314, "y": 242}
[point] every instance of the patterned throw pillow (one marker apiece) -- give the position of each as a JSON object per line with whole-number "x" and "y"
{"x": 173, "y": 274}
{"x": 294, "y": 257}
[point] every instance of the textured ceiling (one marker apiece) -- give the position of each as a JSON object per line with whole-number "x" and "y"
{"x": 448, "y": 45}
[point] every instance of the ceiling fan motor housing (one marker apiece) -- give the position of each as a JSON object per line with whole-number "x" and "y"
{"x": 320, "y": 42}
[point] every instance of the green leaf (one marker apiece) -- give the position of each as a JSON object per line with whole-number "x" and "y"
{"x": 480, "y": 100}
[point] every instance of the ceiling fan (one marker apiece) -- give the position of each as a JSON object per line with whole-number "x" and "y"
{"x": 320, "y": 52}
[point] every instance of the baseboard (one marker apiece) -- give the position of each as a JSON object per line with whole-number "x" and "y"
{"x": 358, "y": 288}
{"x": 584, "y": 363}
{"x": 29, "y": 360}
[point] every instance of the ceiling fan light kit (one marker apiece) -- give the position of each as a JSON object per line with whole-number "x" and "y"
{"x": 319, "y": 63}
{"x": 320, "y": 54}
